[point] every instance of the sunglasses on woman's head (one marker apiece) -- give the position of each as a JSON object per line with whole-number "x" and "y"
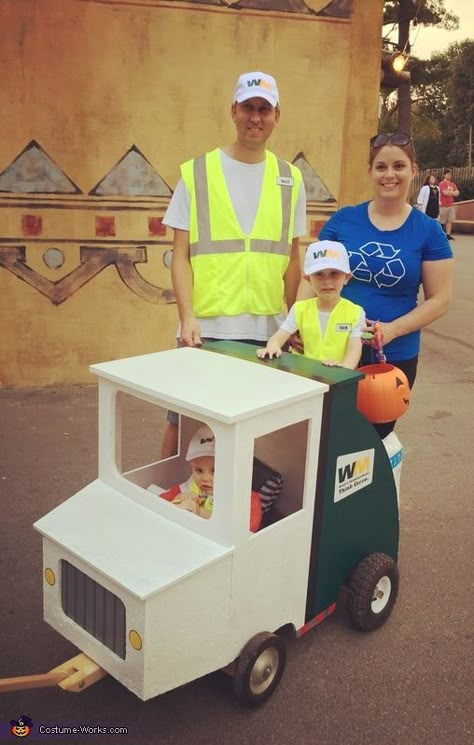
{"x": 396, "y": 138}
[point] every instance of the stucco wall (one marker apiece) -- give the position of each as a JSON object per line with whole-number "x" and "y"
{"x": 133, "y": 88}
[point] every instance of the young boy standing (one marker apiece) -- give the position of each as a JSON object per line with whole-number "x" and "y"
{"x": 330, "y": 326}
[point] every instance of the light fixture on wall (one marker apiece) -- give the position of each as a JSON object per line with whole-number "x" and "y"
{"x": 398, "y": 61}
{"x": 393, "y": 72}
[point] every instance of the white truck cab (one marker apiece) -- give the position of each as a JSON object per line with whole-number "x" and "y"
{"x": 158, "y": 596}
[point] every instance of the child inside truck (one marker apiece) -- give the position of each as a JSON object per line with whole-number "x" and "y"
{"x": 197, "y": 493}
{"x": 330, "y": 326}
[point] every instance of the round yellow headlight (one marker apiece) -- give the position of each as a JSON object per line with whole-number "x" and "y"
{"x": 135, "y": 639}
{"x": 49, "y": 576}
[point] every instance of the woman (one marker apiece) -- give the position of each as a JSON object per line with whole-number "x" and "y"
{"x": 429, "y": 197}
{"x": 394, "y": 248}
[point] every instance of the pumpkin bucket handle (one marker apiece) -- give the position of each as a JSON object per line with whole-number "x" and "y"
{"x": 374, "y": 338}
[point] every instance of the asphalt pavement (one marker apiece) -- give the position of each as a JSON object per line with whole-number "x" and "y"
{"x": 409, "y": 682}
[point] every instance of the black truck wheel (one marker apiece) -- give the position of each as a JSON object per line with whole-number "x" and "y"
{"x": 373, "y": 590}
{"x": 259, "y": 668}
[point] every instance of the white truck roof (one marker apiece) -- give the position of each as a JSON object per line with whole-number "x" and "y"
{"x": 215, "y": 385}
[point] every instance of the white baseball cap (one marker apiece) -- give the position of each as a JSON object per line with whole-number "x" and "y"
{"x": 202, "y": 443}
{"x": 256, "y": 84}
{"x": 326, "y": 255}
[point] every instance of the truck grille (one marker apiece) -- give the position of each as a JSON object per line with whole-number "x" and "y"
{"x": 94, "y": 608}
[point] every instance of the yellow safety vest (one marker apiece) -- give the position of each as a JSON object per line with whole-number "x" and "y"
{"x": 235, "y": 272}
{"x": 333, "y": 345}
{"x": 190, "y": 487}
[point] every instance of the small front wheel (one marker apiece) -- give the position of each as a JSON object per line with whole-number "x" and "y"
{"x": 373, "y": 589}
{"x": 259, "y": 668}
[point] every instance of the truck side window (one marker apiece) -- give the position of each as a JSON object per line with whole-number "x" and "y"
{"x": 280, "y": 486}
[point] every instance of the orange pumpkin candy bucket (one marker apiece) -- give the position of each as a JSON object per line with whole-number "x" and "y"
{"x": 383, "y": 394}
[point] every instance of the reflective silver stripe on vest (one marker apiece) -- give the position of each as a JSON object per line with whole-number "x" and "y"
{"x": 282, "y": 246}
{"x": 235, "y": 245}
{"x": 204, "y": 245}
{"x": 269, "y": 247}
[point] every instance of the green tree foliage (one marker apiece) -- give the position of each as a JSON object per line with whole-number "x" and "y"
{"x": 403, "y": 14}
{"x": 438, "y": 104}
{"x": 460, "y": 91}
{"x": 424, "y": 12}
{"x": 443, "y": 106}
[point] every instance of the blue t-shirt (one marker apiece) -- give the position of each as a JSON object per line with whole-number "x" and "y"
{"x": 386, "y": 266}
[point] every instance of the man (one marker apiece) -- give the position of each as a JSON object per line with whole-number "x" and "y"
{"x": 448, "y": 190}
{"x": 237, "y": 215}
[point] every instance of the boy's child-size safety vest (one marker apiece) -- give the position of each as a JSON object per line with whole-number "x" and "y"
{"x": 333, "y": 345}
{"x": 235, "y": 272}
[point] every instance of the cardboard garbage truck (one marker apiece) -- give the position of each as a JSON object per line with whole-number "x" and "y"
{"x": 135, "y": 583}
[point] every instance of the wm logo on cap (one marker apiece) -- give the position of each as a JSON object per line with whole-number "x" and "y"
{"x": 331, "y": 253}
{"x": 259, "y": 83}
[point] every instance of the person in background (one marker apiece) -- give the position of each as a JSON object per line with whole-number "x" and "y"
{"x": 449, "y": 191}
{"x": 428, "y": 200}
{"x": 237, "y": 215}
{"x": 330, "y": 326}
{"x": 393, "y": 249}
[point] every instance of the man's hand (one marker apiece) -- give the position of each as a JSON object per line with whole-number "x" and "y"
{"x": 191, "y": 333}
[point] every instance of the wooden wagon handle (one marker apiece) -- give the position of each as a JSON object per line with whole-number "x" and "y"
{"x": 73, "y": 675}
{"x": 23, "y": 682}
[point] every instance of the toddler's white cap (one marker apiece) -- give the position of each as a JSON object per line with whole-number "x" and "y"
{"x": 202, "y": 443}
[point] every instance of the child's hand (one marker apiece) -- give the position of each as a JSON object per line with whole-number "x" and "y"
{"x": 189, "y": 504}
{"x": 186, "y": 501}
{"x": 331, "y": 363}
{"x": 271, "y": 349}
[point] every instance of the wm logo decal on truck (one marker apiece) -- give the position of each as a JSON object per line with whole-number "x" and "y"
{"x": 354, "y": 471}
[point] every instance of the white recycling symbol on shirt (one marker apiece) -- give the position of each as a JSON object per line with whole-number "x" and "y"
{"x": 386, "y": 270}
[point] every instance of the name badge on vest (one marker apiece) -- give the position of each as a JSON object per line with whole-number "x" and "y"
{"x": 285, "y": 180}
{"x": 344, "y": 327}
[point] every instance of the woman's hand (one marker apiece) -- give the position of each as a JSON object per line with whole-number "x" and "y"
{"x": 296, "y": 342}
{"x": 386, "y": 332}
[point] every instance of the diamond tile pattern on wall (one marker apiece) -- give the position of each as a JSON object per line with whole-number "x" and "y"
{"x": 34, "y": 172}
{"x": 316, "y": 190}
{"x": 133, "y": 175}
